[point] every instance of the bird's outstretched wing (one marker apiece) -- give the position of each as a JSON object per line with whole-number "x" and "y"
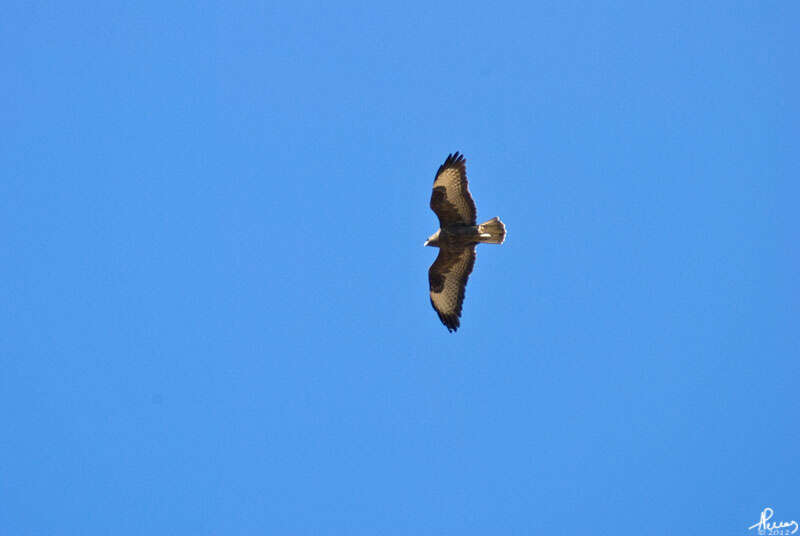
{"x": 451, "y": 200}
{"x": 448, "y": 279}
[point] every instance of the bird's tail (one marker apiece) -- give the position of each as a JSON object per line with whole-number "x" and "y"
{"x": 492, "y": 231}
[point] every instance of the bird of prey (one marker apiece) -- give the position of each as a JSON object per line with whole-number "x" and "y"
{"x": 457, "y": 237}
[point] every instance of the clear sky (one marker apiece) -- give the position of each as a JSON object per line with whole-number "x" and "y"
{"x": 214, "y": 313}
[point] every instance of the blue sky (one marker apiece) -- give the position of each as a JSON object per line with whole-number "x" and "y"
{"x": 215, "y": 316}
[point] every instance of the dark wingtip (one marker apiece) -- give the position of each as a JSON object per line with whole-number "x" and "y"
{"x": 450, "y": 322}
{"x": 454, "y": 158}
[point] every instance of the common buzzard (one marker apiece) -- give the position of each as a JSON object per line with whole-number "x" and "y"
{"x": 456, "y": 239}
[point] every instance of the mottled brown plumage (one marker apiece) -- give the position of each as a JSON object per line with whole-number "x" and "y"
{"x": 456, "y": 239}
{"x": 451, "y": 200}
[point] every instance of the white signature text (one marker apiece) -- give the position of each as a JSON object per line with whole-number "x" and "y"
{"x": 765, "y": 527}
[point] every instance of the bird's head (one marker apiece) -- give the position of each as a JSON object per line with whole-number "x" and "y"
{"x": 433, "y": 240}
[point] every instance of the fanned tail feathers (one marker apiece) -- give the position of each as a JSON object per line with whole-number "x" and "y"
{"x": 492, "y": 231}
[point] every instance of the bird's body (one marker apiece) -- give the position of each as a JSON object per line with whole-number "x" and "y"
{"x": 457, "y": 237}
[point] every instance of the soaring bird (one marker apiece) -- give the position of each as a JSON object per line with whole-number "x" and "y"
{"x": 456, "y": 239}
